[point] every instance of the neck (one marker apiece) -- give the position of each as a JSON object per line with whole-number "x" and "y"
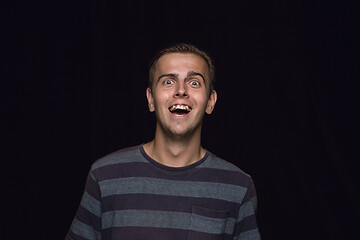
{"x": 175, "y": 152}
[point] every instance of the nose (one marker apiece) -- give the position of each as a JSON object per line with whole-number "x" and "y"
{"x": 181, "y": 90}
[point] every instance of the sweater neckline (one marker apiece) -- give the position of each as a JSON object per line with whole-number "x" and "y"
{"x": 168, "y": 169}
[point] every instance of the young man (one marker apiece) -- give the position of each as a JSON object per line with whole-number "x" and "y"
{"x": 171, "y": 187}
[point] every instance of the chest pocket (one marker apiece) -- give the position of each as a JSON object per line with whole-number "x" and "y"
{"x": 209, "y": 223}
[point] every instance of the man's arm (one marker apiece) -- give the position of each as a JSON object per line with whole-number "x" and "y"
{"x": 246, "y": 227}
{"x": 87, "y": 221}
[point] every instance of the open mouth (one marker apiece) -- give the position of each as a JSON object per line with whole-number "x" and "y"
{"x": 179, "y": 110}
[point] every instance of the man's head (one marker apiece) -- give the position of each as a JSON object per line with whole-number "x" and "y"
{"x": 184, "y": 48}
{"x": 181, "y": 92}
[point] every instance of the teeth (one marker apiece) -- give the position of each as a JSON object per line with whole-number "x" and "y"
{"x": 181, "y": 107}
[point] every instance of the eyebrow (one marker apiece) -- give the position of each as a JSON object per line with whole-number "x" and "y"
{"x": 175, "y": 75}
{"x": 192, "y": 73}
{"x": 171, "y": 75}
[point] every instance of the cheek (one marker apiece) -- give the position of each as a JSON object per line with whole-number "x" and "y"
{"x": 162, "y": 97}
{"x": 200, "y": 99}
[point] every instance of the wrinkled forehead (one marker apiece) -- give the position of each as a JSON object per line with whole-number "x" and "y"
{"x": 182, "y": 64}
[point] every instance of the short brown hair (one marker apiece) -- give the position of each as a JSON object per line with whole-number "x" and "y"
{"x": 183, "y": 48}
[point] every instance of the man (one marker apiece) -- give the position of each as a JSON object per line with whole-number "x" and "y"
{"x": 171, "y": 187}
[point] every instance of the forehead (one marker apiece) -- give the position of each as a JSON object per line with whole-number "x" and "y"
{"x": 181, "y": 63}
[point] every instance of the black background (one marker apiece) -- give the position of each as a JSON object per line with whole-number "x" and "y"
{"x": 74, "y": 78}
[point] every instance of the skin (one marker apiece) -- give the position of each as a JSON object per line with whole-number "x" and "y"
{"x": 179, "y": 79}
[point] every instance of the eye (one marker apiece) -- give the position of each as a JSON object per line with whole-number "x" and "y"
{"x": 194, "y": 83}
{"x": 168, "y": 82}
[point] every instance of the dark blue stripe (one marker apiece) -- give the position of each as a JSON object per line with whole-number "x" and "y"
{"x": 165, "y": 203}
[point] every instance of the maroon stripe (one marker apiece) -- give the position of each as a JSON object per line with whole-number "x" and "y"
{"x": 247, "y": 224}
{"x": 138, "y": 169}
{"x": 140, "y": 233}
{"x": 173, "y": 170}
{"x": 92, "y": 188}
{"x": 251, "y": 192}
{"x": 208, "y": 236}
{"x": 88, "y": 218}
{"x": 211, "y": 214}
{"x": 165, "y": 203}
{"x": 73, "y": 236}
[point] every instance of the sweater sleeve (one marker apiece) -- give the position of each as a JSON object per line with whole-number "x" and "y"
{"x": 87, "y": 221}
{"x": 246, "y": 227}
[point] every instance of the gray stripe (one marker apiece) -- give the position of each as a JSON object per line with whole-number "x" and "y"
{"x": 212, "y": 225}
{"x": 92, "y": 176}
{"x": 249, "y": 235}
{"x": 218, "y": 163}
{"x": 120, "y": 157}
{"x": 145, "y": 218}
{"x": 91, "y": 204}
{"x": 133, "y": 185}
{"x": 165, "y": 219}
{"x": 245, "y": 210}
{"x": 84, "y": 230}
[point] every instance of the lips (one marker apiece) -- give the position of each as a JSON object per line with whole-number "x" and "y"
{"x": 180, "y": 109}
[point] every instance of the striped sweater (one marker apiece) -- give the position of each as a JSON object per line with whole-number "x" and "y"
{"x": 128, "y": 195}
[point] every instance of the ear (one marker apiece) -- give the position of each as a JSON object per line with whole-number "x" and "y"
{"x": 211, "y": 102}
{"x": 150, "y": 99}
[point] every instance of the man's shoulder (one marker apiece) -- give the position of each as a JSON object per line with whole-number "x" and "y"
{"x": 125, "y": 155}
{"x": 227, "y": 168}
{"x": 222, "y": 164}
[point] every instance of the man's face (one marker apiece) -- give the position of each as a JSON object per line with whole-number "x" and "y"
{"x": 180, "y": 93}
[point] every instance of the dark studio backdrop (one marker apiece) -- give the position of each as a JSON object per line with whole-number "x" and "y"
{"x": 74, "y": 78}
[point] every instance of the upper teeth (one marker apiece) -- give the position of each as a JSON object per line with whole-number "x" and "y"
{"x": 181, "y": 107}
